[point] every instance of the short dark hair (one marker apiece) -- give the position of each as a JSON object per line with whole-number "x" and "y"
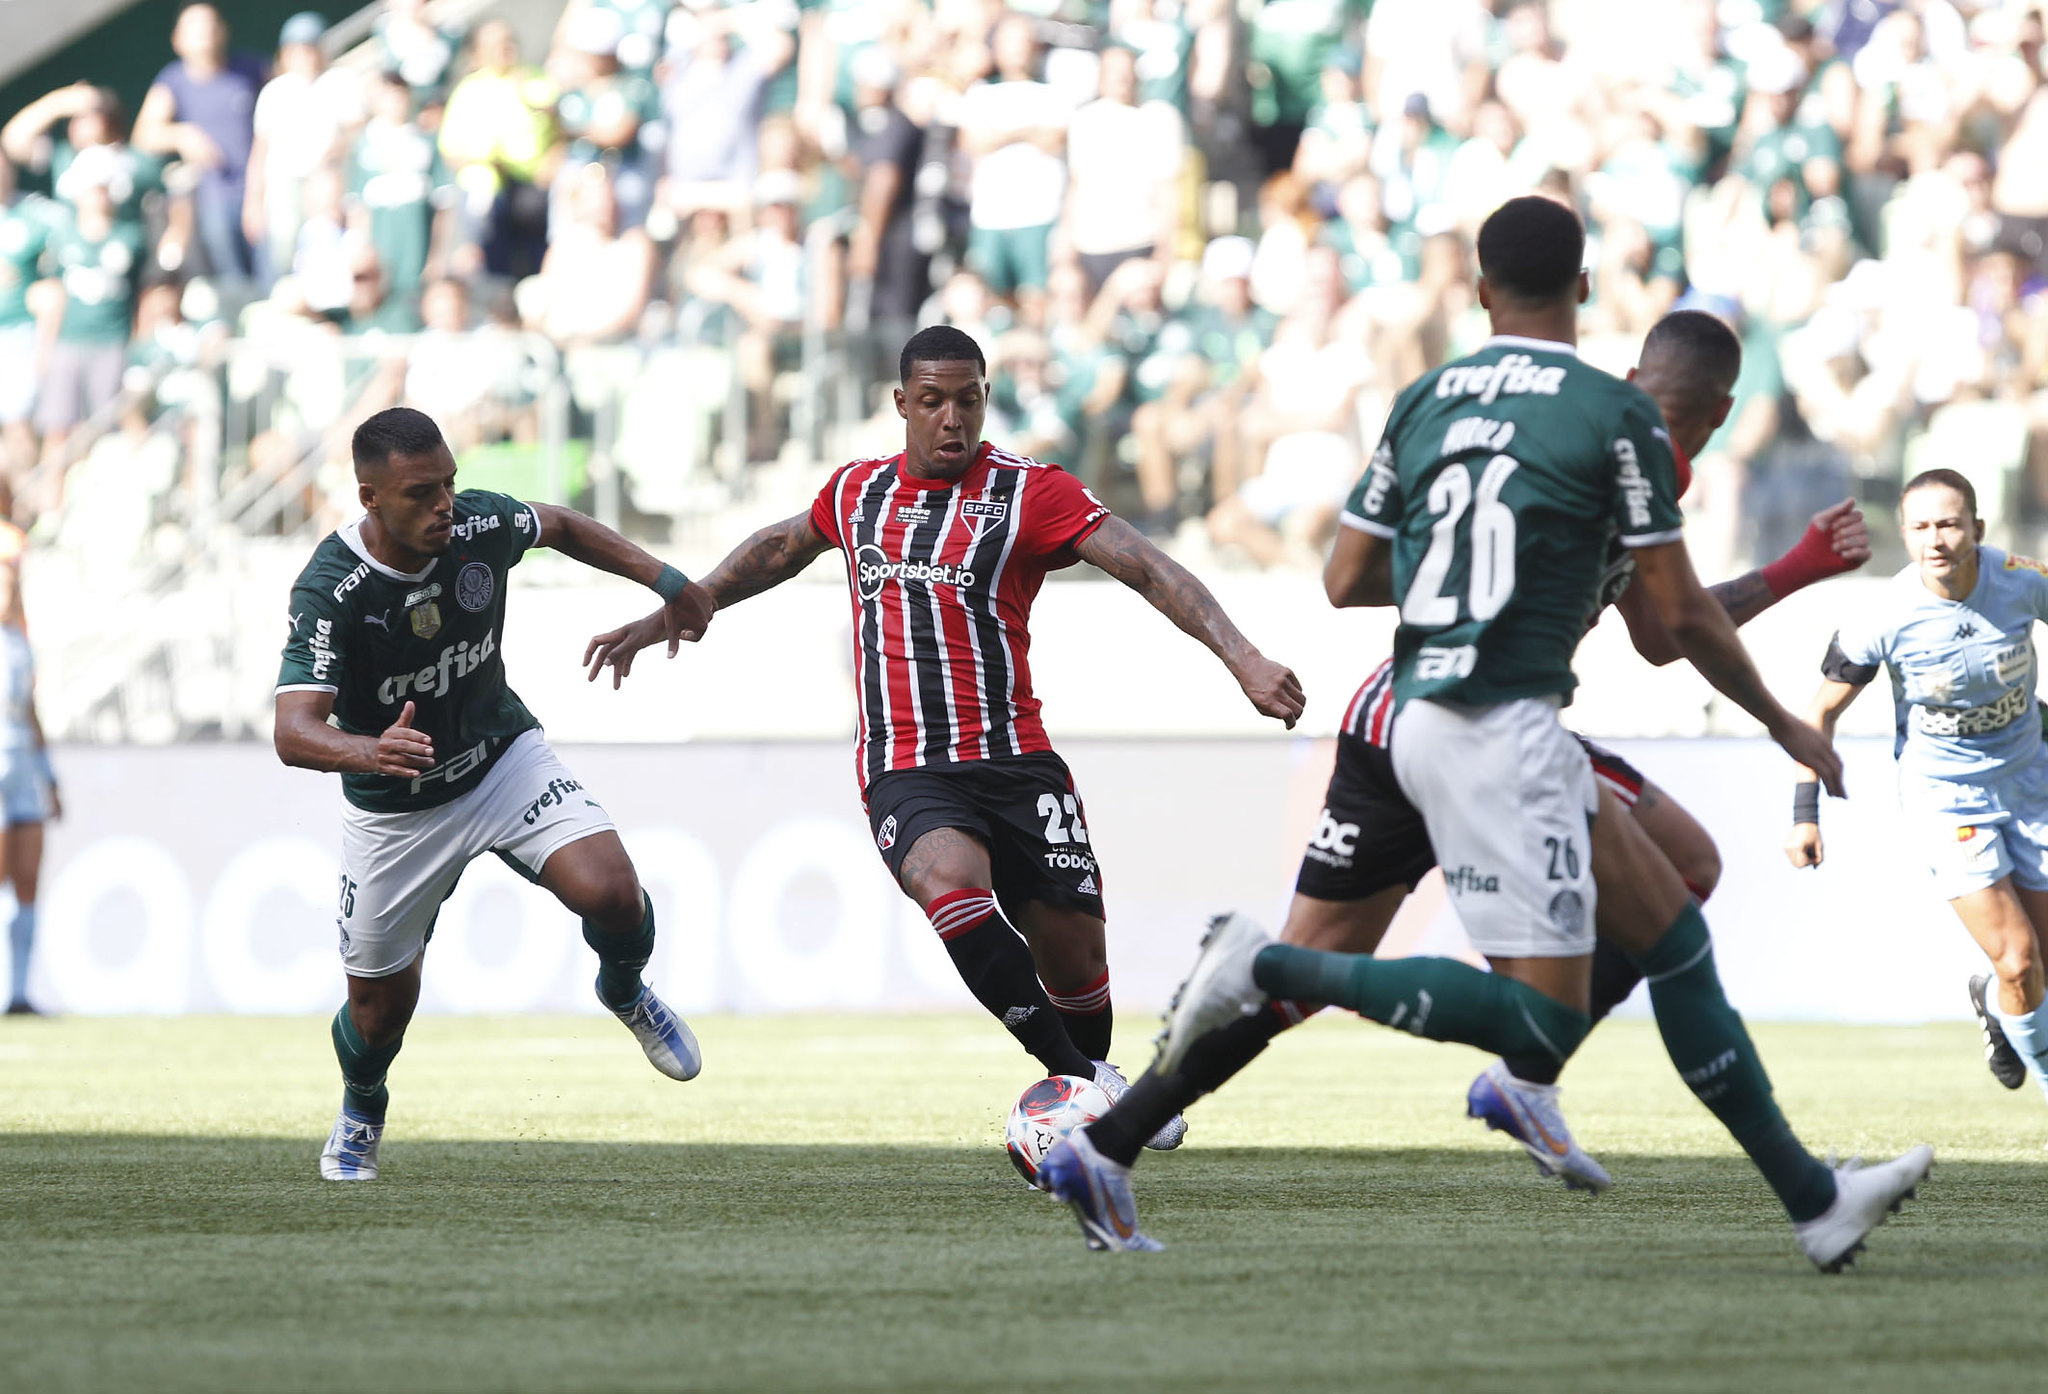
{"x": 939, "y": 343}
{"x": 1699, "y": 350}
{"x": 394, "y": 431}
{"x": 1941, "y": 479}
{"x": 1532, "y": 248}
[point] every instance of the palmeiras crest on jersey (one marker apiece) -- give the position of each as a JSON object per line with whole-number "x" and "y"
{"x": 473, "y": 587}
{"x": 424, "y": 610}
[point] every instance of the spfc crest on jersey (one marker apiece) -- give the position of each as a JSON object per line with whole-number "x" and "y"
{"x": 983, "y": 514}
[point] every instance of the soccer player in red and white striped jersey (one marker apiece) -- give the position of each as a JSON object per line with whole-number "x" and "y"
{"x": 946, "y": 546}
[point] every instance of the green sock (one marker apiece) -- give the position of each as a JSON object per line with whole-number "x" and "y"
{"x": 620, "y": 957}
{"x": 1708, "y": 1043}
{"x": 363, "y": 1067}
{"x": 1439, "y": 998}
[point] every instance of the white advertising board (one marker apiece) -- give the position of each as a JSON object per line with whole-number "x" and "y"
{"x": 201, "y": 878}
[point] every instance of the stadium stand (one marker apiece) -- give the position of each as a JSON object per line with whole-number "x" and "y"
{"x": 654, "y": 258}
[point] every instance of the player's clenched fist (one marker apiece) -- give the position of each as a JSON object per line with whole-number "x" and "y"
{"x": 1274, "y": 689}
{"x": 1847, "y": 532}
{"x": 401, "y": 750}
{"x": 685, "y": 618}
{"x": 1804, "y": 846}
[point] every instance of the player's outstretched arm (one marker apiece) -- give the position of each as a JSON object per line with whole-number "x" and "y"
{"x": 1360, "y": 570}
{"x": 764, "y": 561}
{"x": 1706, "y": 636}
{"x": 686, "y": 605}
{"x": 1804, "y": 845}
{"x": 1836, "y": 541}
{"x": 305, "y": 740}
{"x": 1174, "y": 592}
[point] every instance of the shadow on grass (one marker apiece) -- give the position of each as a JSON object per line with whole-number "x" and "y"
{"x": 224, "y": 1263}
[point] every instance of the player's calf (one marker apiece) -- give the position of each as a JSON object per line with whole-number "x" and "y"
{"x": 997, "y": 967}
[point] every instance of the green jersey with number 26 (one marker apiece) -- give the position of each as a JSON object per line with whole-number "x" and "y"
{"x": 1501, "y": 480}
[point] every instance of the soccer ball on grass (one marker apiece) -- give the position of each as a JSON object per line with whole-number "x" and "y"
{"x": 1046, "y": 1112}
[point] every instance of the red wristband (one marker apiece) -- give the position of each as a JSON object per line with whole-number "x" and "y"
{"x": 1812, "y": 558}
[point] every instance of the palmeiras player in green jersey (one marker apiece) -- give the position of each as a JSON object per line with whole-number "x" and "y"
{"x": 396, "y": 625}
{"x": 1486, "y": 515}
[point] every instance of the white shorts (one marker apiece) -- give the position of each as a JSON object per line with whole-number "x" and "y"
{"x": 1508, "y": 797}
{"x": 397, "y": 868}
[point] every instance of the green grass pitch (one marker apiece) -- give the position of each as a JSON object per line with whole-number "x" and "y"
{"x": 829, "y": 1207}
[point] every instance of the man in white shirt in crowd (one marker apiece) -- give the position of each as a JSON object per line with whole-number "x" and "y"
{"x": 1125, "y": 161}
{"x": 1015, "y": 128}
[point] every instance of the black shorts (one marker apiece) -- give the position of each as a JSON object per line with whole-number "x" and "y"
{"x": 1023, "y": 808}
{"x": 1370, "y": 837}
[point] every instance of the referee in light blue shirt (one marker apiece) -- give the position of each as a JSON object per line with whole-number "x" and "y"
{"x": 1955, "y": 632}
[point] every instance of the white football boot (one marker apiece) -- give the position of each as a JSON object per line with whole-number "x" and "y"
{"x": 1219, "y": 989}
{"x": 1172, "y": 1132}
{"x": 351, "y": 1150}
{"x": 1865, "y": 1197}
{"x": 1529, "y": 1114}
{"x": 666, "y": 1037}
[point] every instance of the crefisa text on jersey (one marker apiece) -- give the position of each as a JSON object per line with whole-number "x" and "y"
{"x": 456, "y": 661}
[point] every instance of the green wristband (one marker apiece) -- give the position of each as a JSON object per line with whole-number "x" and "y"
{"x": 669, "y": 584}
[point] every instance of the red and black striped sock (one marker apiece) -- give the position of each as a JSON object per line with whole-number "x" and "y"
{"x": 1088, "y": 1015}
{"x": 997, "y": 968}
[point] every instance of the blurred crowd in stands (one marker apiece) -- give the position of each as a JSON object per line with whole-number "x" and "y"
{"x": 1204, "y": 242}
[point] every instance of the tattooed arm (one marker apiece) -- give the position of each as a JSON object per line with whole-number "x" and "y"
{"x": 1174, "y": 592}
{"x": 1837, "y": 540}
{"x": 764, "y": 561}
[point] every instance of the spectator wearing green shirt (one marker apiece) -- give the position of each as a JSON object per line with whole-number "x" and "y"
{"x": 1780, "y": 140}
{"x": 91, "y": 119}
{"x": 498, "y": 134}
{"x": 25, "y": 224}
{"x": 1290, "y": 42}
{"x": 401, "y": 195}
{"x": 98, "y": 259}
{"x": 1412, "y": 158}
{"x": 610, "y": 113}
{"x": 639, "y": 26}
{"x": 1337, "y": 142}
{"x": 1164, "y": 43}
{"x": 417, "y": 49}
{"x": 301, "y": 123}
{"x": 1216, "y": 342}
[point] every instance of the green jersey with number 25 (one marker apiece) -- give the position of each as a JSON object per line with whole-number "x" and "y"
{"x": 1501, "y": 480}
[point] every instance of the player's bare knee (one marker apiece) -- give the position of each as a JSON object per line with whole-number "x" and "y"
{"x": 1071, "y": 962}
{"x": 616, "y": 903}
{"x": 1701, "y": 868}
{"x": 2016, "y": 963}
